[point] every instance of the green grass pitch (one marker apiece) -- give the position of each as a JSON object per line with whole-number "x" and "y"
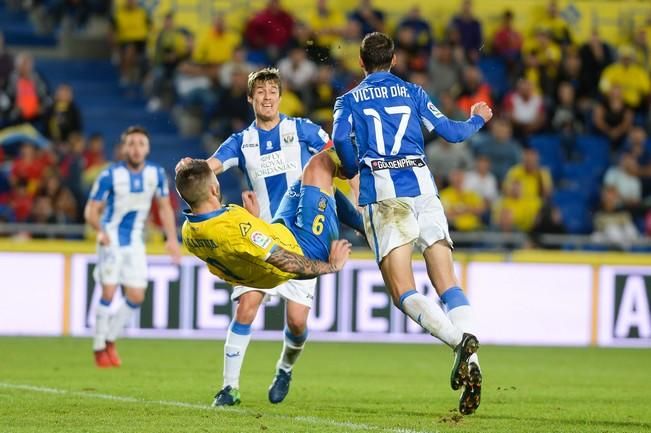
{"x": 51, "y": 385}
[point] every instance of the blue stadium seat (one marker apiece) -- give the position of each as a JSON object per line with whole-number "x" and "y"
{"x": 576, "y": 218}
{"x": 18, "y": 30}
{"x": 494, "y": 71}
{"x": 595, "y": 149}
{"x": 549, "y": 149}
{"x": 574, "y": 208}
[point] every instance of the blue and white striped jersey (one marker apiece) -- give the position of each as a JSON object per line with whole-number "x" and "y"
{"x": 128, "y": 196}
{"x": 273, "y": 160}
{"x": 377, "y": 130}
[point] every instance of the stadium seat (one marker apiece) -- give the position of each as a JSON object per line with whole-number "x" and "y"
{"x": 594, "y": 148}
{"x": 574, "y": 205}
{"x": 551, "y": 155}
{"x": 18, "y": 30}
{"x": 494, "y": 71}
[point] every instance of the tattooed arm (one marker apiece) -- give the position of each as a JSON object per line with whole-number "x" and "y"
{"x": 307, "y": 268}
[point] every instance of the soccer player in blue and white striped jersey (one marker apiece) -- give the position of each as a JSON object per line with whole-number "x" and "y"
{"x": 271, "y": 152}
{"x": 117, "y": 209}
{"x": 377, "y": 131}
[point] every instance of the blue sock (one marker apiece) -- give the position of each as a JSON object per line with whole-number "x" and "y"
{"x": 453, "y": 298}
{"x": 348, "y": 213}
{"x": 240, "y": 328}
{"x": 298, "y": 340}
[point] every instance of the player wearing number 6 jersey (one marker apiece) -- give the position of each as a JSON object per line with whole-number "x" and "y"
{"x": 243, "y": 249}
{"x": 377, "y": 131}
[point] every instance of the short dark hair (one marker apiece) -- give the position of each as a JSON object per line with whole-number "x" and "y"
{"x": 262, "y": 76}
{"x": 134, "y": 129}
{"x": 193, "y": 181}
{"x": 376, "y": 52}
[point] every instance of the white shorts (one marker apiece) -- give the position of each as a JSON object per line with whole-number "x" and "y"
{"x": 299, "y": 291}
{"x": 394, "y": 222}
{"x": 126, "y": 266}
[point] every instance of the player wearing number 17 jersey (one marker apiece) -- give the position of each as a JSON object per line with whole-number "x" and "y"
{"x": 377, "y": 131}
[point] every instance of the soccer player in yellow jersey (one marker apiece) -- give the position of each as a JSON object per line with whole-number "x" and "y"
{"x": 240, "y": 248}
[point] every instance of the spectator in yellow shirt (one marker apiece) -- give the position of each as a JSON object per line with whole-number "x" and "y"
{"x": 327, "y": 23}
{"x": 130, "y": 29}
{"x": 216, "y": 44}
{"x": 542, "y": 58}
{"x": 628, "y": 75}
{"x": 535, "y": 181}
{"x": 290, "y": 104}
{"x": 514, "y": 211}
{"x": 557, "y": 26}
{"x": 346, "y": 51}
{"x": 462, "y": 207}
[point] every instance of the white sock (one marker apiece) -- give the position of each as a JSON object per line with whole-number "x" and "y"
{"x": 292, "y": 347}
{"x": 460, "y": 314}
{"x": 101, "y": 325}
{"x": 237, "y": 340}
{"x": 120, "y": 319}
{"x": 429, "y": 315}
{"x": 461, "y": 317}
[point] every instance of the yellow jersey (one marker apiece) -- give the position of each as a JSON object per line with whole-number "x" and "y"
{"x": 235, "y": 245}
{"x": 466, "y": 221}
{"x": 533, "y": 184}
{"x": 633, "y": 80}
{"x": 215, "y": 48}
{"x": 131, "y": 25}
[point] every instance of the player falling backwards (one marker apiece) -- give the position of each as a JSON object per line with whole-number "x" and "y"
{"x": 242, "y": 249}
{"x": 399, "y": 197}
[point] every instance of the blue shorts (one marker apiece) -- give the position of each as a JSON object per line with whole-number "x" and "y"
{"x": 311, "y": 216}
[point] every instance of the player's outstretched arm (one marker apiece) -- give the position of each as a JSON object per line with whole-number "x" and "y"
{"x": 307, "y": 268}
{"x": 451, "y": 130}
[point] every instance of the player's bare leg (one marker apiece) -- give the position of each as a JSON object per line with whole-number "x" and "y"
{"x": 237, "y": 341}
{"x": 320, "y": 171}
{"x": 102, "y": 320}
{"x": 294, "y": 342}
{"x": 466, "y": 371}
{"x": 397, "y": 272}
{"x": 134, "y": 297}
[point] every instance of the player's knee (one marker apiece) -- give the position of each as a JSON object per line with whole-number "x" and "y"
{"x": 136, "y": 296}
{"x": 297, "y": 325}
{"x": 319, "y": 165}
{"x": 108, "y": 291}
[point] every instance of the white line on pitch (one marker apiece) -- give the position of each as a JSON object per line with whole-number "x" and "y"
{"x": 171, "y": 403}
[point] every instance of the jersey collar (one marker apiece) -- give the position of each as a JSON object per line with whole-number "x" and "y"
{"x": 378, "y": 76}
{"x": 124, "y": 164}
{"x": 254, "y": 124}
{"x": 203, "y": 216}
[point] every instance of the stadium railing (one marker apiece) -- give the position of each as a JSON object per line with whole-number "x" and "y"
{"x": 480, "y": 240}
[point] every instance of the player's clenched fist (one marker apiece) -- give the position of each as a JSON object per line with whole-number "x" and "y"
{"x": 482, "y": 109}
{"x": 250, "y": 203}
{"x": 339, "y": 252}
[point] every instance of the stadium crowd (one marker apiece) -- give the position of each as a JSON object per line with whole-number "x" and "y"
{"x": 567, "y": 152}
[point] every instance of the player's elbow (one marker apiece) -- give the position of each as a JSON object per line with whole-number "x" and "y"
{"x": 453, "y": 136}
